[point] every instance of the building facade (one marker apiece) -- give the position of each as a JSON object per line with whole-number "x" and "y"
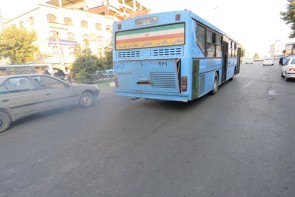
{"x": 277, "y": 48}
{"x": 119, "y": 9}
{"x": 60, "y": 30}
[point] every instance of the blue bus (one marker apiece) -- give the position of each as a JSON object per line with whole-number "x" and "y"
{"x": 289, "y": 53}
{"x": 174, "y": 56}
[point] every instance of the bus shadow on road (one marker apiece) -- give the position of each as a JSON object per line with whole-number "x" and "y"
{"x": 175, "y": 105}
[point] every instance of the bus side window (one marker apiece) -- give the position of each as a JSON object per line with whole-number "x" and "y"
{"x": 229, "y": 49}
{"x": 218, "y": 46}
{"x": 201, "y": 38}
{"x": 210, "y": 47}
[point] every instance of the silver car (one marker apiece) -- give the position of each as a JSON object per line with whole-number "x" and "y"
{"x": 267, "y": 61}
{"x": 23, "y": 95}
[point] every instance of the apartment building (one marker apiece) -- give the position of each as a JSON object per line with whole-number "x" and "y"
{"x": 60, "y": 30}
{"x": 119, "y": 9}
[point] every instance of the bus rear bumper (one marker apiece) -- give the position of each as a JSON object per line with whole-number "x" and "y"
{"x": 154, "y": 95}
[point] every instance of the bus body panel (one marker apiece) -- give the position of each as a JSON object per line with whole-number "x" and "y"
{"x": 148, "y": 75}
{"x": 140, "y": 66}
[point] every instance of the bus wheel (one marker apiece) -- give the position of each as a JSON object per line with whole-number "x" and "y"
{"x": 215, "y": 86}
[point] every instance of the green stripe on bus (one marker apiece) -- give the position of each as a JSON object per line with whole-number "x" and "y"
{"x": 153, "y": 29}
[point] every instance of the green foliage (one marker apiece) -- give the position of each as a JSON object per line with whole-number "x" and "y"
{"x": 108, "y": 57}
{"x": 87, "y": 64}
{"x": 83, "y": 66}
{"x": 243, "y": 51}
{"x": 289, "y": 16}
{"x": 256, "y": 56}
{"x": 17, "y": 45}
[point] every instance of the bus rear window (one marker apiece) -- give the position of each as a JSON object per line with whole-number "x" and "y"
{"x": 159, "y": 36}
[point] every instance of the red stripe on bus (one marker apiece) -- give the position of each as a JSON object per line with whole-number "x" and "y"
{"x": 151, "y": 38}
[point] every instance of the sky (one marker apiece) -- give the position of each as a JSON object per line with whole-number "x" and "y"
{"x": 256, "y": 24}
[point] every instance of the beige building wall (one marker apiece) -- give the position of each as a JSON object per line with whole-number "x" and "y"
{"x": 57, "y": 37}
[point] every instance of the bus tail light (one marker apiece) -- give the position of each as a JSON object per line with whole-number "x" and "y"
{"x": 116, "y": 81}
{"x": 184, "y": 84}
{"x": 177, "y": 17}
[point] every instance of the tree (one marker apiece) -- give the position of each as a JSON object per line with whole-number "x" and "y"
{"x": 256, "y": 56}
{"x": 108, "y": 57}
{"x": 243, "y": 51}
{"x": 17, "y": 45}
{"x": 289, "y": 16}
{"x": 86, "y": 64}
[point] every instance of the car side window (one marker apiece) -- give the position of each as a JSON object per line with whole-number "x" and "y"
{"x": 287, "y": 62}
{"x": 48, "y": 82}
{"x": 3, "y": 89}
{"x": 18, "y": 84}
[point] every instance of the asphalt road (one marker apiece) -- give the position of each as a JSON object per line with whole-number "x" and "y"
{"x": 239, "y": 142}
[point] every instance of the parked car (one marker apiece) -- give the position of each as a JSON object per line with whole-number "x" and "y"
{"x": 267, "y": 61}
{"x": 288, "y": 69}
{"x": 23, "y": 95}
{"x": 249, "y": 61}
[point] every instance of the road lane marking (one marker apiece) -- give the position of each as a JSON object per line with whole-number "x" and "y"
{"x": 247, "y": 84}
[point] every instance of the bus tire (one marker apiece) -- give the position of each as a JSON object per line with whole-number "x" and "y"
{"x": 215, "y": 84}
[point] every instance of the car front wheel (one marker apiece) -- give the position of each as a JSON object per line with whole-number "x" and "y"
{"x": 286, "y": 78}
{"x": 86, "y": 99}
{"x": 5, "y": 121}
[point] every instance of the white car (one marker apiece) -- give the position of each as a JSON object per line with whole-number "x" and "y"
{"x": 24, "y": 95}
{"x": 288, "y": 69}
{"x": 249, "y": 61}
{"x": 268, "y": 61}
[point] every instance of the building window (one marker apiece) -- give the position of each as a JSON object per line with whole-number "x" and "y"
{"x": 86, "y": 39}
{"x": 98, "y": 26}
{"x": 99, "y": 39}
{"x": 32, "y": 21}
{"x": 84, "y": 24}
{"x": 70, "y": 36}
{"x": 108, "y": 28}
{"x": 54, "y": 50}
{"x": 68, "y": 21}
{"x": 22, "y": 25}
{"x": 53, "y": 34}
{"x": 51, "y": 18}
